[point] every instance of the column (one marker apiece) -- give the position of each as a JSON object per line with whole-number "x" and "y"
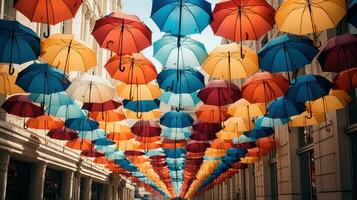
{"x": 87, "y": 188}
{"x": 37, "y": 180}
{"x": 4, "y": 163}
{"x": 76, "y": 185}
{"x": 108, "y": 191}
{"x": 67, "y": 184}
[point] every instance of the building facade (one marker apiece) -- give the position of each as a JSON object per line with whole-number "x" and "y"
{"x": 308, "y": 163}
{"x": 33, "y": 166}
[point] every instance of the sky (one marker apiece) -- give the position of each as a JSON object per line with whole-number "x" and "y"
{"x": 142, "y": 8}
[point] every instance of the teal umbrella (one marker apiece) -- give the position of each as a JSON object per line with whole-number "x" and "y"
{"x": 184, "y": 99}
{"x": 92, "y": 135}
{"x": 59, "y": 98}
{"x": 66, "y": 111}
{"x": 264, "y": 121}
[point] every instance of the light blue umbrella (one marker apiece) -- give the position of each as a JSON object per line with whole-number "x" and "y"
{"x": 92, "y": 135}
{"x": 59, "y": 98}
{"x": 185, "y": 99}
{"x": 189, "y": 53}
{"x": 116, "y": 155}
{"x": 107, "y": 149}
{"x": 264, "y": 121}
{"x": 176, "y": 134}
{"x": 154, "y": 152}
{"x": 66, "y": 111}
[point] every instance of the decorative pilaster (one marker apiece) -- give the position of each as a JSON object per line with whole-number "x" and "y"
{"x": 87, "y": 188}
{"x": 37, "y": 180}
{"x": 67, "y": 182}
{"x": 4, "y": 163}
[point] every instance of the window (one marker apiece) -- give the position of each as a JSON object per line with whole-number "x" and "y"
{"x": 18, "y": 180}
{"x": 305, "y": 136}
{"x": 52, "y": 185}
{"x": 273, "y": 181}
{"x": 97, "y": 191}
{"x": 308, "y": 176}
{"x": 352, "y": 107}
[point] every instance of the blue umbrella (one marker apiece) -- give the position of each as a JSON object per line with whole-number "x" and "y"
{"x": 188, "y": 54}
{"x": 176, "y": 133}
{"x": 176, "y": 119}
{"x": 59, "y": 98}
{"x": 264, "y": 121}
{"x": 183, "y": 100}
{"x": 352, "y": 12}
{"x": 92, "y": 135}
{"x": 42, "y": 79}
{"x": 65, "y": 111}
{"x": 287, "y": 53}
{"x": 285, "y": 108}
{"x": 141, "y": 106}
{"x": 237, "y": 152}
{"x": 154, "y": 152}
{"x": 81, "y": 124}
{"x": 308, "y": 88}
{"x": 181, "y": 17}
{"x": 183, "y": 81}
{"x": 103, "y": 142}
{"x": 259, "y": 132}
{"x": 18, "y": 43}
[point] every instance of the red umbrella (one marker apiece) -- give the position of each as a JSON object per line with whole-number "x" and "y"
{"x": 62, "y": 134}
{"x": 197, "y": 147}
{"x": 122, "y": 34}
{"x": 219, "y": 92}
{"x": 93, "y": 153}
{"x": 239, "y": 20}
{"x": 134, "y": 153}
{"x": 346, "y": 80}
{"x": 202, "y": 136}
{"x": 21, "y": 106}
{"x": 101, "y": 107}
{"x": 146, "y": 128}
{"x": 48, "y": 11}
{"x": 264, "y": 87}
{"x": 204, "y": 127}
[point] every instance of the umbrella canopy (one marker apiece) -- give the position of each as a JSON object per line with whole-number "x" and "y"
{"x": 18, "y": 44}
{"x": 91, "y": 89}
{"x": 176, "y": 119}
{"x": 62, "y": 134}
{"x": 346, "y": 80}
{"x": 174, "y": 52}
{"x": 336, "y": 99}
{"x": 183, "y": 100}
{"x": 202, "y": 136}
{"x": 183, "y": 17}
{"x": 265, "y": 121}
{"x": 225, "y": 62}
{"x": 42, "y": 79}
{"x": 92, "y": 153}
{"x": 122, "y": 34}
{"x": 58, "y": 99}
{"x": 287, "y": 53}
{"x": 219, "y": 93}
{"x": 119, "y": 136}
{"x": 101, "y": 107}
{"x": 237, "y": 124}
{"x": 245, "y": 109}
{"x": 302, "y": 17}
{"x": 352, "y": 10}
{"x": 181, "y": 81}
{"x": 79, "y": 144}
{"x": 285, "y": 108}
{"x": 138, "y": 92}
{"x": 134, "y": 69}
{"x": 339, "y": 54}
{"x": 239, "y": 20}
{"x": 65, "y": 111}
{"x": 93, "y": 134}
{"x": 204, "y": 127}
{"x": 264, "y": 87}
{"x": 49, "y": 12}
{"x": 146, "y": 128}
{"x": 21, "y": 106}
{"x": 259, "y": 132}
{"x": 81, "y": 124}
{"x": 108, "y": 116}
{"x": 7, "y": 82}
{"x": 307, "y": 119}
{"x": 175, "y": 133}
{"x": 212, "y": 114}
{"x": 149, "y": 115}
{"x": 228, "y": 135}
{"x": 141, "y": 106}
{"x": 44, "y": 122}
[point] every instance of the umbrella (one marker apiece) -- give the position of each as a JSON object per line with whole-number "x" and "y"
{"x": 62, "y": 133}
{"x": 108, "y": 116}
{"x": 122, "y": 34}
{"x": 285, "y": 108}
{"x": 42, "y": 79}
{"x": 81, "y": 124}
{"x": 212, "y": 114}
{"x": 79, "y": 144}
{"x": 176, "y": 119}
{"x": 116, "y": 126}
{"x": 264, "y": 121}
{"x": 179, "y": 52}
{"x": 138, "y": 92}
{"x": 308, "y": 88}
{"x": 137, "y": 69}
{"x": 175, "y": 133}
{"x": 141, "y": 106}
{"x": 205, "y": 127}
{"x": 21, "y": 106}
{"x": 102, "y": 142}
{"x": 7, "y": 83}
{"x": 150, "y": 115}
{"x": 264, "y": 87}
{"x": 119, "y": 136}
{"x": 237, "y": 124}
{"x": 202, "y": 136}
{"x": 352, "y": 10}
{"x": 65, "y": 53}
{"x": 92, "y": 134}
{"x": 92, "y": 153}
{"x": 19, "y": 44}
{"x": 148, "y": 139}
{"x": 181, "y": 81}
{"x": 228, "y": 135}
{"x": 58, "y": 99}
{"x": 183, "y": 100}
{"x": 242, "y": 108}
{"x": 44, "y": 122}
{"x": 225, "y": 62}
{"x": 346, "y": 80}
{"x": 181, "y": 17}
{"x": 221, "y": 144}
{"x": 259, "y": 132}
{"x": 49, "y": 12}
{"x": 287, "y": 53}
{"x": 302, "y": 17}
{"x": 239, "y": 20}
{"x": 65, "y": 111}
{"x": 128, "y": 145}
{"x": 219, "y": 93}
{"x": 101, "y": 107}
{"x": 307, "y": 119}
{"x": 91, "y": 89}
{"x": 146, "y": 128}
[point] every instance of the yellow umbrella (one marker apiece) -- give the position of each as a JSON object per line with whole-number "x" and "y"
{"x": 64, "y": 52}
{"x": 304, "y": 120}
{"x": 7, "y": 82}
{"x": 154, "y": 114}
{"x": 238, "y": 124}
{"x": 333, "y": 101}
{"x": 228, "y": 135}
{"x": 249, "y": 160}
{"x": 139, "y": 92}
{"x": 225, "y": 62}
{"x": 210, "y": 152}
{"x": 128, "y": 145}
{"x": 302, "y": 17}
{"x": 115, "y": 127}
{"x": 245, "y": 109}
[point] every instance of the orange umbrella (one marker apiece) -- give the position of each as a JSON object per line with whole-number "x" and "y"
{"x": 221, "y": 144}
{"x": 212, "y": 114}
{"x": 346, "y": 80}
{"x": 148, "y": 146}
{"x": 119, "y": 136}
{"x": 116, "y": 126}
{"x": 108, "y": 116}
{"x": 103, "y": 160}
{"x": 137, "y": 69}
{"x": 45, "y": 122}
{"x": 148, "y": 139}
{"x": 80, "y": 144}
